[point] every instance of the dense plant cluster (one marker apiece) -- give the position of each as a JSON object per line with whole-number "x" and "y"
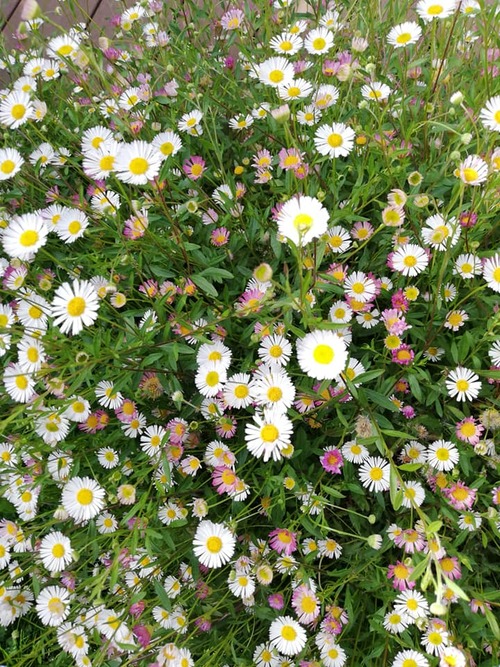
{"x": 250, "y": 278}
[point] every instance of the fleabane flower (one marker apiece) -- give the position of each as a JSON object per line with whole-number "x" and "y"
{"x": 374, "y": 474}
{"x": 491, "y": 272}
{"x": 490, "y": 114}
{"x": 404, "y": 34}
{"x": 213, "y": 544}
{"x": 473, "y": 170}
{"x": 287, "y": 635}
{"x": 269, "y": 435}
{"x": 16, "y": 108}
{"x": 75, "y": 306}
{"x": 463, "y": 384}
{"x": 322, "y": 354}
{"x": 275, "y": 71}
{"x": 137, "y": 163}
{"x": 11, "y": 162}
{"x": 24, "y": 236}
{"x": 410, "y": 260}
{"x": 428, "y": 10}
{"x": 82, "y": 498}
{"x": 55, "y": 551}
{"x": 336, "y": 140}
{"x": 302, "y": 219}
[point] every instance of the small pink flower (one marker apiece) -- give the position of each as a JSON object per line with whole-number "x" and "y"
{"x": 137, "y": 608}
{"x": 403, "y": 355}
{"x": 142, "y": 634}
{"x": 283, "y": 541}
{"x": 219, "y": 237}
{"x": 400, "y": 574}
{"x": 332, "y": 461}
{"x": 276, "y": 601}
{"x": 194, "y": 167}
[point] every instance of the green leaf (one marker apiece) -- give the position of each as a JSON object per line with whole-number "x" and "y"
{"x": 415, "y": 387}
{"x": 396, "y": 494}
{"x": 410, "y": 467}
{"x": 332, "y": 492}
{"x": 490, "y": 617}
{"x": 162, "y": 595}
{"x": 434, "y": 526}
{"x": 420, "y": 568}
{"x": 204, "y": 285}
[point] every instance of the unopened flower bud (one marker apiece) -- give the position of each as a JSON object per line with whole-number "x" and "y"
{"x": 457, "y": 98}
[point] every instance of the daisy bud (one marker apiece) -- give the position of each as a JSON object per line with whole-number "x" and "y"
{"x": 455, "y": 155}
{"x": 374, "y": 541}
{"x": 263, "y": 273}
{"x": 372, "y": 518}
{"x": 457, "y": 98}
{"x": 415, "y": 178}
{"x": 438, "y": 609}
{"x": 466, "y": 138}
{"x": 370, "y": 68}
{"x": 177, "y": 396}
{"x": 281, "y": 114}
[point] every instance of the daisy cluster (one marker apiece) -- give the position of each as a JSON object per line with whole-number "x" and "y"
{"x": 249, "y": 324}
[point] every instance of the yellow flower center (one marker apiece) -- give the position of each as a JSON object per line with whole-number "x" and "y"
{"x": 241, "y": 391}
{"x": 28, "y": 238}
{"x": 58, "y": 550}
{"x": 468, "y": 429}
{"x": 84, "y": 497}
{"x": 107, "y": 163}
{"x": 286, "y": 45}
{"x": 302, "y": 222}
{"x": 214, "y": 544}
{"x": 323, "y": 354}
{"x": 462, "y": 385}
{"x": 358, "y": 288}
{"x": 410, "y": 260}
{"x": 18, "y": 111}
{"x": 376, "y": 474}
{"x": 288, "y": 633}
{"x": 138, "y": 166}
{"x": 167, "y": 148}
{"x": 276, "y": 76}
{"x": 274, "y": 394}
{"x": 21, "y": 382}
{"x": 403, "y": 38}
{"x": 76, "y": 306}
{"x": 435, "y": 10}
{"x": 196, "y": 169}
{"x": 7, "y": 166}
{"x": 470, "y": 174}
{"x": 26, "y": 496}
{"x": 401, "y": 571}
{"x": 319, "y": 43}
{"x": 308, "y": 604}
{"x": 334, "y": 140}
{"x": 496, "y": 275}
{"x": 212, "y": 378}
{"x": 55, "y": 606}
{"x": 65, "y": 50}
{"x": 409, "y": 662}
{"x": 74, "y": 227}
{"x": 269, "y": 433}
{"x": 442, "y": 454}
{"x": 435, "y": 638}
{"x": 33, "y": 354}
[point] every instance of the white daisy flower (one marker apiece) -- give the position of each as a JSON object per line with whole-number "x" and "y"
{"x": 326, "y": 96}
{"x": 78, "y": 410}
{"x": 237, "y": 391}
{"x": 321, "y": 354}
{"x": 24, "y": 236}
{"x": 274, "y": 390}
{"x": 302, "y": 219}
{"x": 463, "y": 384}
{"x": 167, "y": 143}
{"x": 215, "y": 352}
{"x": 297, "y": 89}
{"x": 467, "y": 266}
{"x": 33, "y": 311}
{"x": 309, "y": 115}
{"x": 410, "y": 260}
{"x": 137, "y": 162}
{"x": 439, "y": 233}
{"x": 107, "y": 395}
{"x": 318, "y": 41}
{"x": 333, "y": 655}
{"x": 395, "y": 622}
{"x": 55, "y": 551}
{"x": 287, "y": 635}
{"x": 11, "y": 162}
{"x": 73, "y": 640}
{"x": 473, "y": 170}
{"x": 82, "y": 498}
{"x": 409, "y": 658}
{"x": 210, "y": 379}
{"x": 375, "y": 91}
{"x": 286, "y": 44}
{"x": 442, "y": 455}
{"x": 359, "y": 286}
{"x": 31, "y": 354}
{"x": 190, "y": 121}
{"x": 75, "y": 306}
{"x": 71, "y": 225}
{"x": 241, "y": 584}
{"x": 336, "y": 140}
{"x": 491, "y": 272}
{"x": 413, "y": 494}
{"x": 269, "y": 435}
{"x": 213, "y": 544}
{"x": 63, "y": 46}
{"x": 18, "y": 384}
{"x": 275, "y": 71}
{"x": 428, "y": 10}
{"x": 16, "y": 108}
{"x": 266, "y": 656}
{"x": 374, "y": 474}
{"x": 404, "y": 34}
{"x": 95, "y": 137}
{"x": 106, "y": 523}
{"x": 275, "y": 350}
{"x": 108, "y": 457}
{"x": 52, "y": 605}
{"x": 100, "y": 163}
{"x": 494, "y": 353}
{"x": 338, "y": 239}
{"x": 490, "y": 114}
{"x": 412, "y": 604}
